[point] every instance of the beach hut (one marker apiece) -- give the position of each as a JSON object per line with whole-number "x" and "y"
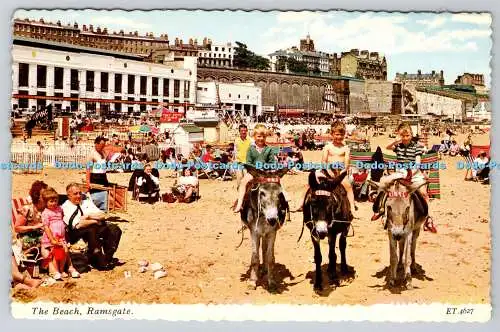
{"x": 185, "y": 135}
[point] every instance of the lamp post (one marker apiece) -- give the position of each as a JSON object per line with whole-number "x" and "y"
{"x": 308, "y": 103}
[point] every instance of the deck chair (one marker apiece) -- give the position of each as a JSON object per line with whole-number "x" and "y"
{"x": 196, "y": 192}
{"x": 202, "y": 172}
{"x": 152, "y": 197}
{"x": 477, "y": 148}
{"x": 31, "y": 259}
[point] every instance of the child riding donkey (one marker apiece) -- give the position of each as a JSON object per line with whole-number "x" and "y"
{"x": 408, "y": 153}
{"x": 258, "y": 153}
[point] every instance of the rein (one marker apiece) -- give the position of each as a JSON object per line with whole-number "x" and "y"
{"x": 332, "y": 222}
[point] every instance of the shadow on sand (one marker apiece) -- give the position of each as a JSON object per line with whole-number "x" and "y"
{"x": 344, "y": 279}
{"x": 418, "y": 273}
{"x": 281, "y": 272}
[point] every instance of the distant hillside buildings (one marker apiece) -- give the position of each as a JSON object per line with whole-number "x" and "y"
{"x": 363, "y": 65}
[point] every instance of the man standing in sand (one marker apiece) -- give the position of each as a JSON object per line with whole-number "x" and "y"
{"x": 241, "y": 146}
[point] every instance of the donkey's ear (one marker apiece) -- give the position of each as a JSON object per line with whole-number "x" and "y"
{"x": 338, "y": 179}
{"x": 281, "y": 172}
{"x": 313, "y": 183}
{"x": 252, "y": 170}
{"x": 414, "y": 188}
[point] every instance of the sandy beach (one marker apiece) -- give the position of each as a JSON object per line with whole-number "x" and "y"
{"x": 196, "y": 243}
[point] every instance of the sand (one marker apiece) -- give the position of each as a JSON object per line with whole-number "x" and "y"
{"x": 196, "y": 244}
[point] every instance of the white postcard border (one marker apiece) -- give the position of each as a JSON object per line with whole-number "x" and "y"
{"x": 435, "y": 312}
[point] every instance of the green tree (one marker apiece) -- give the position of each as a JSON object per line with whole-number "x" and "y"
{"x": 281, "y": 64}
{"x": 296, "y": 66}
{"x": 244, "y": 58}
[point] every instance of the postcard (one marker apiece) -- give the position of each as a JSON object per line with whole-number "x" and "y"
{"x": 302, "y": 166}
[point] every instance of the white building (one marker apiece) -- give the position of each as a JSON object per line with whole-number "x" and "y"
{"x": 313, "y": 60}
{"x": 243, "y": 98}
{"x": 75, "y": 77}
{"x": 217, "y": 55}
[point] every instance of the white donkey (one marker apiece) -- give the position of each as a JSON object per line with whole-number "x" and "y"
{"x": 405, "y": 213}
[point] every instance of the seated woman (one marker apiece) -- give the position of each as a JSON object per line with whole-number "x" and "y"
{"x": 28, "y": 222}
{"x": 454, "y": 148}
{"x": 149, "y": 183}
{"x": 20, "y": 280}
{"x": 185, "y": 187}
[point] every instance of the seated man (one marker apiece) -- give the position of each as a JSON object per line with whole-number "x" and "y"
{"x": 149, "y": 183}
{"x": 85, "y": 221}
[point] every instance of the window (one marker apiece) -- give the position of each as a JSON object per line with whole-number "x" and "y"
{"x": 41, "y": 102}
{"x": 23, "y": 102}
{"x": 229, "y": 95}
{"x": 104, "y": 82}
{"x": 143, "y": 85}
{"x": 58, "y": 77}
{"x": 75, "y": 84}
{"x": 229, "y": 50}
{"x": 154, "y": 86}
{"x": 142, "y": 106}
{"x": 90, "y": 81}
{"x": 41, "y": 76}
{"x": 166, "y": 87}
{"x": 118, "y": 106}
{"x": 186, "y": 89}
{"x": 216, "y": 49}
{"x": 118, "y": 83}
{"x": 177, "y": 87}
{"x": 23, "y": 74}
{"x": 131, "y": 84}
{"x": 223, "y": 49}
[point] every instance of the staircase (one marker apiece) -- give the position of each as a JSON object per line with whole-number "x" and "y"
{"x": 18, "y": 129}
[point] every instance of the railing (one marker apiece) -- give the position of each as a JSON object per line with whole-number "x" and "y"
{"x": 54, "y": 155}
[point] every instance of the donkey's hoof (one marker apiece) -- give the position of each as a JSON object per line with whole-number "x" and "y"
{"x": 252, "y": 285}
{"x": 318, "y": 287}
{"x": 334, "y": 281}
{"x": 392, "y": 283}
{"x": 272, "y": 287}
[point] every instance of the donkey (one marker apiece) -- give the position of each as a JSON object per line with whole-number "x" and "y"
{"x": 405, "y": 213}
{"x": 327, "y": 213}
{"x": 264, "y": 213}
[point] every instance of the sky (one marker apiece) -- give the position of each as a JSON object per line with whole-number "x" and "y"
{"x": 455, "y": 43}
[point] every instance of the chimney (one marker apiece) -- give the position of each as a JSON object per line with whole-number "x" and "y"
{"x": 105, "y": 31}
{"x": 42, "y": 21}
{"x": 441, "y": 74}
{"x": 364, "y": 53}
{"x": 355, "y": 51}
{"x": 58, "y": 23}
{"x": 84, "y": 27}
{"x": 136, "y": 33}
{"x": 419, "y": 72}
{"x": 91, "y": 28}
{"x": 98, "y": 29}
{"x": 433, "y": 72}
{"x": 196, "y": 42}
{"x": 122, "y": 33}
{"x": 190, "y": 41}
{"x": 181, "y": 42}
{"x": 374, "y": 55}
{"x": 75, "y": 25}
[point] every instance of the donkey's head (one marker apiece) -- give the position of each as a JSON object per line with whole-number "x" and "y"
{"x": 322, "y": 203}
{"x": 269, "y": 196}
{"x": 398, "y": 207}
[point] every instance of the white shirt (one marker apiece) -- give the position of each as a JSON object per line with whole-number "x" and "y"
{"x": 88, "y": 207}
{"x": 188, "y": 180}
